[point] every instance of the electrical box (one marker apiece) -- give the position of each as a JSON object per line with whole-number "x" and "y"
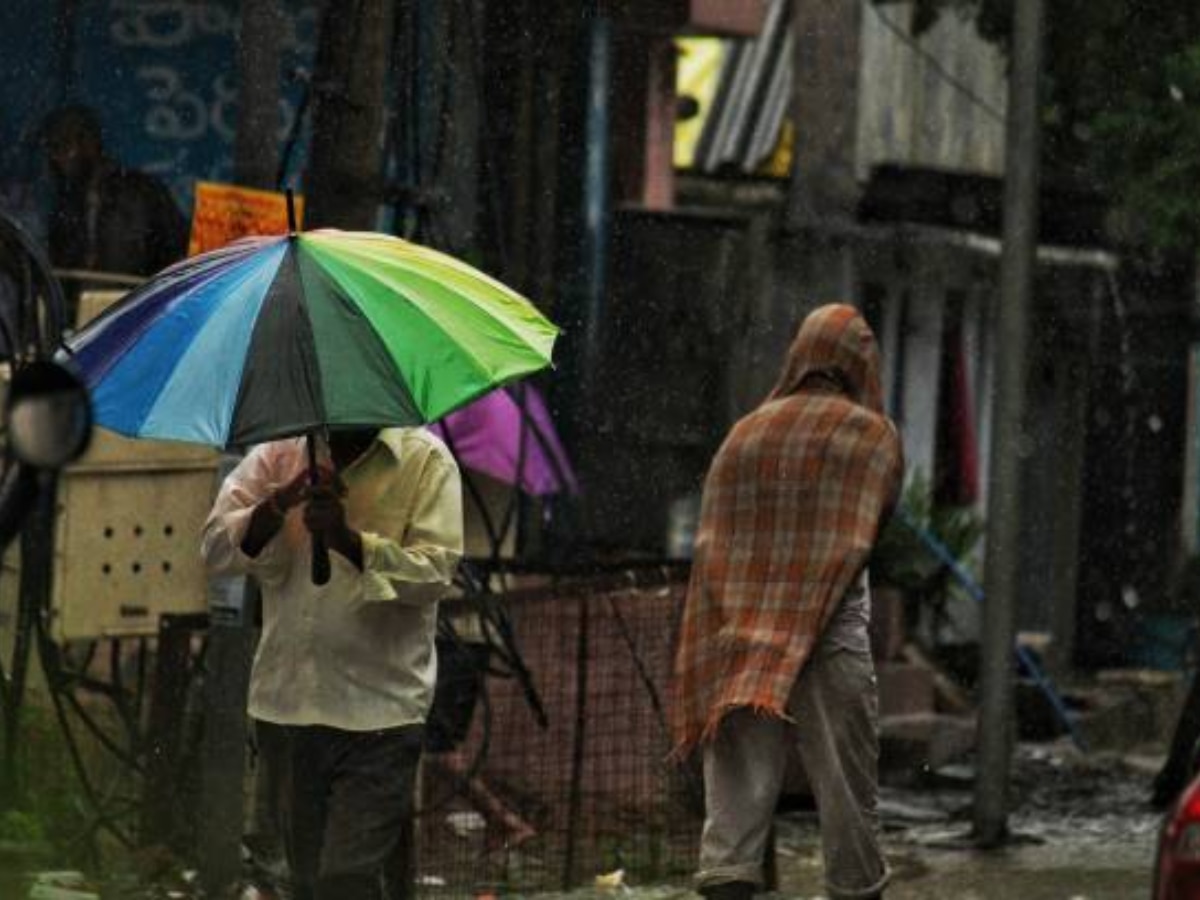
{"x": 127, "y": 547}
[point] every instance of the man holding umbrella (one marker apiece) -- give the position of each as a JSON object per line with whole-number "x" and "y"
{"x": 272, "y": 342}
{"x": 345, "y": 671}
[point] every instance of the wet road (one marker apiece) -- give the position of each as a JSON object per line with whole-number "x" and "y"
{"x": 1082, "y": 827}
{"x": 1083, "y": 832}
{"x": 1060, "y": 869}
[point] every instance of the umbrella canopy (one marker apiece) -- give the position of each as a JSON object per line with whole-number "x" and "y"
{"x": 277, "y": 336}
{"x": 508, "y": 434}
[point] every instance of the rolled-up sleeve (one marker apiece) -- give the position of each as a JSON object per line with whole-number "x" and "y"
{"x": 221, "y": 543}
{"x": 428, "y": 551}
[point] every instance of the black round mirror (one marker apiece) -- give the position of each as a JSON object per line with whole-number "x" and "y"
{"x": 49, "y": 416}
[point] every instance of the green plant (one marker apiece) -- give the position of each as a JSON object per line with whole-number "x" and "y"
{"x": 904, "y": 559}
{"x": 18, "y": 826}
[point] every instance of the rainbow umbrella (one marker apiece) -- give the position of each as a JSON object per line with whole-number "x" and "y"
{"x": 291, "y": 335}
{"x": 297, "y": 334}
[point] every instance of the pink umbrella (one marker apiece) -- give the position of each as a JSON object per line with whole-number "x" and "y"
{"x": 521, "y": 448}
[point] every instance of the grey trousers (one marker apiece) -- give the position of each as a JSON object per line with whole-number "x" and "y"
{"x": 834, "y": 705}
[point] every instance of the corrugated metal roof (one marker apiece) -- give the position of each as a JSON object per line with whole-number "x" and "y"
{"x": 743, "y": 127}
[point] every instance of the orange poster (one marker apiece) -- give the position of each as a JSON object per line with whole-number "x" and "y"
{"x": 226, "y": 212}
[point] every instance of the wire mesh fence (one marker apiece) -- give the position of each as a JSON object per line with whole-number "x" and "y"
{"x": 547, "y": 781}
{"x": 547, "y": 763}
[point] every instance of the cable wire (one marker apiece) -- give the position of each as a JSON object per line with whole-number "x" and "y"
{"x": 936, "y": 64}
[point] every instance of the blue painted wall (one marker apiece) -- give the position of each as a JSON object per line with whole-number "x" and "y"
{"x": 161, "y": 74}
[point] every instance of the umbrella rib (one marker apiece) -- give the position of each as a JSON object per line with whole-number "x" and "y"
{"x": 434, "y": 321}
{"x": 411, "y": 257}
{"x": 247, "y": 313}
{"x": 480, "y": 369}
{"x": 307, "y": 360}
{"x": 345, "y": 302}
{"x": 312, "y": 377}
{"x": 373, "y": 240}
{"x": 189, "y": 268}
{"x": 235, "y": 271}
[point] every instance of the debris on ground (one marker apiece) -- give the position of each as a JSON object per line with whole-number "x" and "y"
{"x": 612, "y": 881}
{"x": 65, "y": 885}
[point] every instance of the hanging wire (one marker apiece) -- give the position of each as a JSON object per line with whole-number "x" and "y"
{"x": 103, "y": 818}
{"x": 34, "y": 335}
{"x": 693, "y": 785}
{"x": 297, "y": 128}
{"x": 461, "y": 782}
{"x": 428, "y": 227}
{"x": 40, "y": 313}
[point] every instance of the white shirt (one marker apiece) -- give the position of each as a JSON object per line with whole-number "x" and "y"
{"x": 356, "y": 653}
{"x": 849, "y": 627}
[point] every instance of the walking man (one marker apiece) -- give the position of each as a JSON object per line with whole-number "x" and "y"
{"x": 774, "y": 647}
{"x": 344, "y": 673}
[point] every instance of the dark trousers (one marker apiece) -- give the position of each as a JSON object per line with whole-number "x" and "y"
{"x": 344, "y": 808}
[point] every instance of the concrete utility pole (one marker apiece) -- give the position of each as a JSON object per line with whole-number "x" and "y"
{"x": 343, "y": 186}
{"x": 231, "y": 636}
{"x": 997, "y": 714}
{"x": 256, "y": 149}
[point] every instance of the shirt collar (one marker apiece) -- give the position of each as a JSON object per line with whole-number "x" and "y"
{"x": 390, "y": 438}
{"x": 393, "y": 439}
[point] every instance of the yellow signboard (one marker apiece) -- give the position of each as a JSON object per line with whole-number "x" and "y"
{"x": 702, "y": 62}
{"x": 226, "y": 212}
{"x": 696, "y": 75}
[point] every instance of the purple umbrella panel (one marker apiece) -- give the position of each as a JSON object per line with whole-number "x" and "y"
{"x": 508, "y": 434}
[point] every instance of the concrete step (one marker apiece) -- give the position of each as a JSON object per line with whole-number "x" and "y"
{"x": 913, "y": 735}
{"x": 915, "y": 743}
{"x": 910, "y": 746}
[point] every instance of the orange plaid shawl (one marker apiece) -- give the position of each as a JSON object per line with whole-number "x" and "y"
{"x": 792, "y": 505}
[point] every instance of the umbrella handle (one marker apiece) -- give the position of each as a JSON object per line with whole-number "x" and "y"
{"x": 320, "y": 561}
{"x": 320, "y": 552}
